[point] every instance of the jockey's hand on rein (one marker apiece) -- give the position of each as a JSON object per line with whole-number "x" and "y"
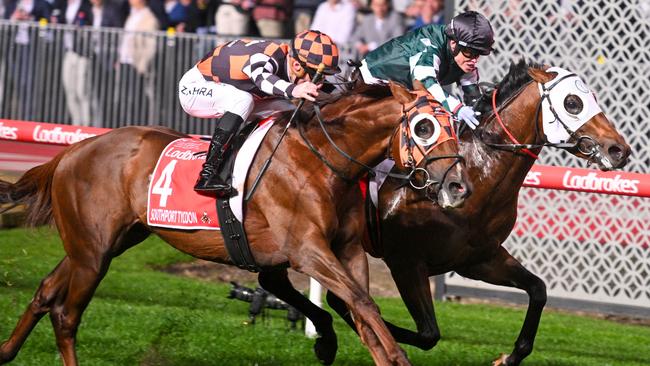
{"x": 306, "y": 90}
{"x": 468, "y": 115}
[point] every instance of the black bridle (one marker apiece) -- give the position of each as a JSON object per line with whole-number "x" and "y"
{"x": 411, "y": 163}
{"x": 586, "y": 145}
{"x": 410, "y": 177}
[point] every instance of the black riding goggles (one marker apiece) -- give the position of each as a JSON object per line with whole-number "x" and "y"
{"x": 472, "y": 53}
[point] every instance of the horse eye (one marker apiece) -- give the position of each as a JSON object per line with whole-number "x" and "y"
{"x": 424, "y": 129}
{"x": 573, "y": 104}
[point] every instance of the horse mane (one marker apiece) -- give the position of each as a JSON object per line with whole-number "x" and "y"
{"x": 365, "y": 91}
{"x": 329, "y": 102}
{"x": 476, "y": 153}
{"x": 516, "y": 78}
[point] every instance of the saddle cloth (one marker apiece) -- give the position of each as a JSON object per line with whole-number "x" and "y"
{"x": 172, "y": 201}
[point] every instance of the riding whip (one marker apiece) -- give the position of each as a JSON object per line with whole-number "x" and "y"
{"x": 316, "y": 79}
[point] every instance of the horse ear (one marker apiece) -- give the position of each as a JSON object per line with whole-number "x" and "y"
{"x": 540, "y": 76}
{"x": 400, "y": 92}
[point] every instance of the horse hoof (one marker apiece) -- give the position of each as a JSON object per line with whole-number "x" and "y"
{"x": 501, "y": 361}
{"x": 325, "y": 350}
{"x": 5, "y": 357}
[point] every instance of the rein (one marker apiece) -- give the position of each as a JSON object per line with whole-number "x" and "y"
{"x": 339, "y": 173}
{"x": 510, "y": 135}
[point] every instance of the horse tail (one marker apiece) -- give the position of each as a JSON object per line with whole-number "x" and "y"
{"x": 34, "y": 191}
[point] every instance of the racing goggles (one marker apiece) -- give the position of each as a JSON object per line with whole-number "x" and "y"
{"x": 472, "y": 53}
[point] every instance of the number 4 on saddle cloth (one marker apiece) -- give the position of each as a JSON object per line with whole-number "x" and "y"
{"x": 173, "y": 203}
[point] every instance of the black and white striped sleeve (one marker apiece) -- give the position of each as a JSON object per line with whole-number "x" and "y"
{"x": 262, "y": 70}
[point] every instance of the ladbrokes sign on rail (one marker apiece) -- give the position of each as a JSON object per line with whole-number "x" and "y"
{"x": 8, "y": 132}
{"x": 592, "y": 182}
{"x": 58, "y": 136}
{"x": 48, "y": 133}
{"x": 585, "y": 180}
{"x": 540, "y": 176}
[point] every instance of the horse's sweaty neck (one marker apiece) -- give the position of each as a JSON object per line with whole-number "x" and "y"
{"x": 494, "y": 165}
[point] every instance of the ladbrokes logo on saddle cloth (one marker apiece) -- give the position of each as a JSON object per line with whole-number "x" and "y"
{"x": 172, "y": 201}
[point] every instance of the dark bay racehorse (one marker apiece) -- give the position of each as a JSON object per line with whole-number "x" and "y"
{"x": 303, "y": 214}
{"x": 420, "y": 240}
{"x": 469, "y": 240}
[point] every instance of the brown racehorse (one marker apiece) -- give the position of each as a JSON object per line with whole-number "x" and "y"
{"x": 303, "y": 214}
{"x": 419, "y": 241}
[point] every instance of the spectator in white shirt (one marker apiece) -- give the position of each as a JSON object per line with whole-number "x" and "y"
{"x": 75, "y": 71}
{"x": 335, "y": 18}
{"x": 136, "y": 52}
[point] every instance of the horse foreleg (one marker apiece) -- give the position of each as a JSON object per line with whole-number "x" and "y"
{"x": 339, "y": 306}
{"x": 414, "y": 289}
{"x": 505, "y": 270}
{"x": 401, "y": 335}
{"x": 277, "y": 282}
{"x": 52, "y": 287}
{"x": 412, "y": 281}
{"x": 359, "y": 272}
{"x": 320, "y": 263}
{"x": 351, "y": 270}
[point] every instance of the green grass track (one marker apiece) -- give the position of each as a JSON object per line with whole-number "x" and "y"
{"x": 140, "y": 316}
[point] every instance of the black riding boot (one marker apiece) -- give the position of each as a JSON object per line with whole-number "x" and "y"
{"x": 209, "y": 179}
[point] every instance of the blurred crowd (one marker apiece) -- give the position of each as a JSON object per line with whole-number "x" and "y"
{"x": 361, "y": 23}
{"x": 123, "y": 77}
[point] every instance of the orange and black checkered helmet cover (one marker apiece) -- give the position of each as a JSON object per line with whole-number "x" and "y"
{"x": 312, "y": 48}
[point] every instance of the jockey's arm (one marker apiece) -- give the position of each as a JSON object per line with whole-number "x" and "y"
{"x": 262, "y": 70}
{"x": 471, "y": 93}
{"x": 425, "y": 70}
{"x": 427, "y": 75}
{"x": 469, "y": 86}
{"x": 448, "y": 101}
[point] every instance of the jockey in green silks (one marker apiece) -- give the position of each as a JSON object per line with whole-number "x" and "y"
{"x": 437, "y": 56}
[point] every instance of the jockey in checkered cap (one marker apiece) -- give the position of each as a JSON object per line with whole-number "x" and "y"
{"x": 437, "y": 56}
{"x": 225, "y": 83}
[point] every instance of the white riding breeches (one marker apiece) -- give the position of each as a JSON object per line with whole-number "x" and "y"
{"x": 208, "y": 99}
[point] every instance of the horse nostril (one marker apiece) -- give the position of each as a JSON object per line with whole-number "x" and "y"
{"x": 616, "y": 152}
{"x": 456, "y": 189}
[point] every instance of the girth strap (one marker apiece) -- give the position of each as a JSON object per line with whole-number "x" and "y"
{"x": 234, "y": 237}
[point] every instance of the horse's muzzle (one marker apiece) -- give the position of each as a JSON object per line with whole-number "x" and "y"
{"x": 610, "y": 155}
{"x": 453, "y": 191}
{"x": 619, "y": 154}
